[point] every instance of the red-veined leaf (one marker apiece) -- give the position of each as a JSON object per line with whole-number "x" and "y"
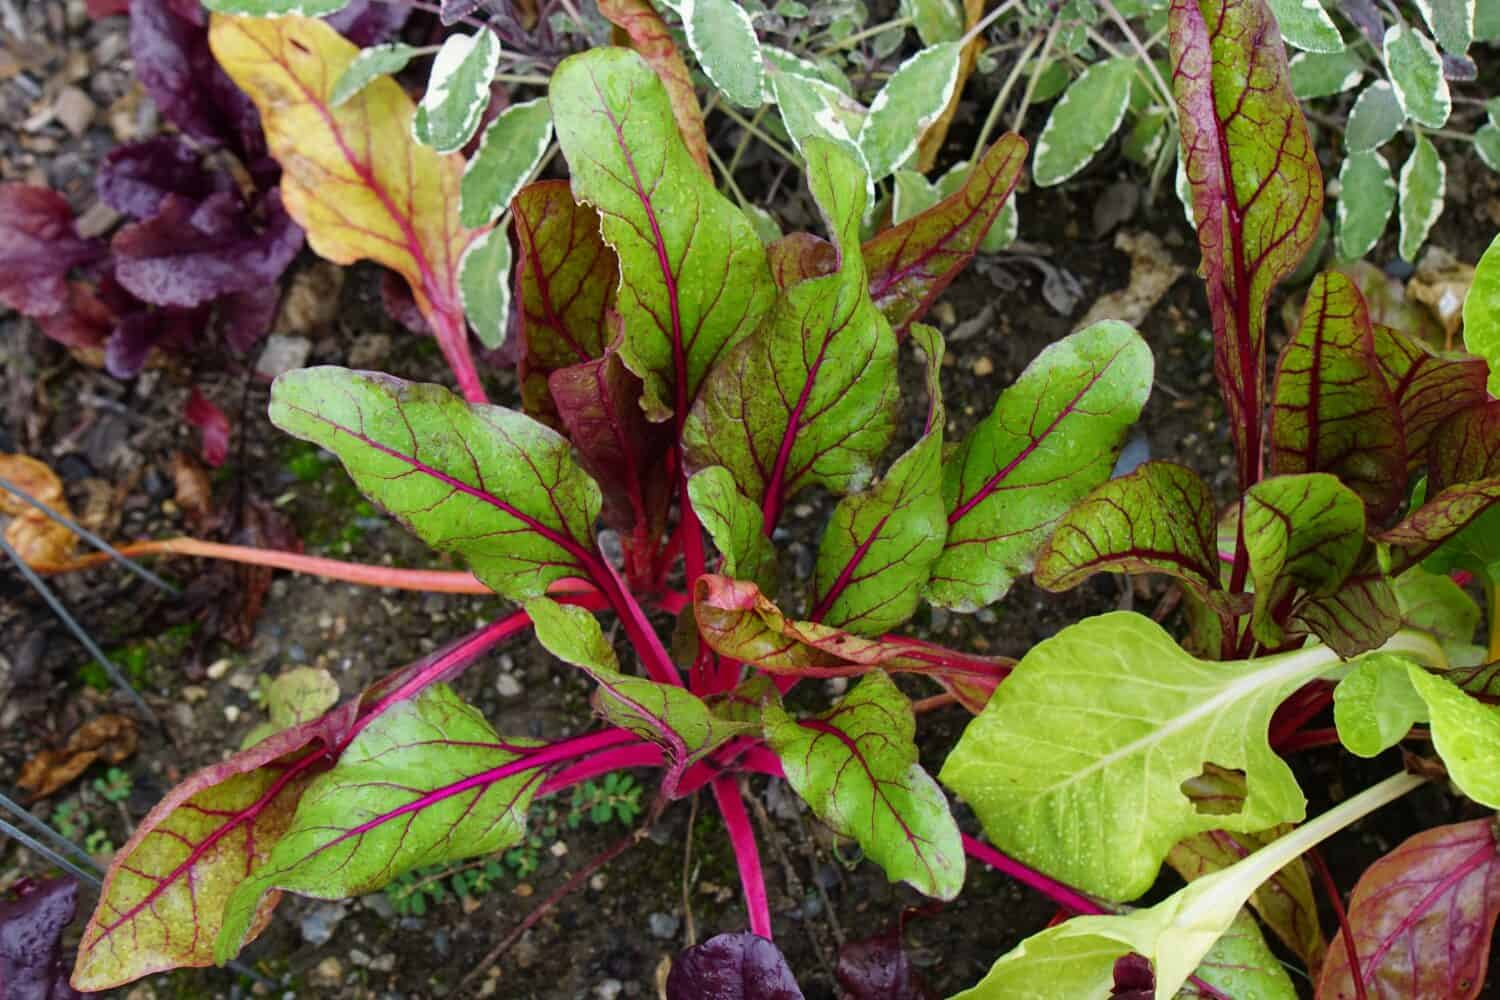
{"x": 1422, "y": 917}
{"x": 1466, "y": 449}
{"x": 1357, "y": 617}
{"x": 488, "y": 483}
{"x": 1257, "y": 191}
{"x": 353, "y": 176}
{"x": 799, "y": 256}
{"x": 1428, "y": 387}
{"x": 426, "y": 781}
{"x": 1051, "y": 438}
{"x": 693, "y": 273}
{"x": 642, "y": 26}
{"x": 737, "y": 526}
{"x": 1463, "y": 483}
{"x": 856, "y": 765}
{"x": 1332, "y": 410}
{"x": 809, "y": 399}
{"x": 912, "y": 263}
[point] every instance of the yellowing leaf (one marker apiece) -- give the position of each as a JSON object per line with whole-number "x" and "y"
{"x": 353, "y": 177}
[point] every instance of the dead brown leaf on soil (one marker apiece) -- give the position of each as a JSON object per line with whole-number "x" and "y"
{"x": 1152, "y": 273}
{"x": 110, "y": 738}
{"x": 38, "y": 539}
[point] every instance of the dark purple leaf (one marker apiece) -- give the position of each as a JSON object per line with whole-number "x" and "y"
{"x": 38, "y": 247}
{"x": 1365, "y": 16}
{"x": 245, "y": 317}
{"x": 1134, "y": 978}
{"x": 740, "y": 966}
{"x": 145, "y": 328}
{"x": 369, "y": 22}
{"x": 1460, "y": 68}
{"x": 400, "y": 305}
{"x": 134, "y": 178}
{"x": 878, "y": 968}
{"x": 31, "y": 928}
{"x": 212, "y": 424}
{"x": 192, "y": 253}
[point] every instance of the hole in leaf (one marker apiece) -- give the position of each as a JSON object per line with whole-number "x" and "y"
{"x": 1216, "y": 790}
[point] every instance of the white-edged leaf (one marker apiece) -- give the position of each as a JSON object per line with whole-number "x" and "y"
{"x": 1306, "y": 25}
{"x": 1367, "y": 196}
{"x": 513, "y": 144}
{"x": 1416, "y": 70}
{"x": 722, "y": 36}
{"x": 1321, "y": 74}
{"x": 276, "y": 8}
{"x": 1487, "y": 145}
{"x": 1081, "y": 123}
{"x": 377, "y": 60}
{"x": 935, "y": 20}
{"x": 911, "y": 195}
{"x": 1004, "y": 230}
{"x": 1184, "y": 189}
{"x": 458, "y": 91}
{"x": 1424, "y": 183}
{"x": 812, "y": 108}
{"x": 484, "y": 286}
{"x": 911, "y": 100}
{"x": 1376, "y": 117}
{"x": 1451, "y": 22}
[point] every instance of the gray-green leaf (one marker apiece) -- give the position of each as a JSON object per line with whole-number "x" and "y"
{"x": 1367, "y": 196}
{"x": 513, "y": 144}
{"x": 1320, "y": 74}
{"x": 1416, "y": 70}
{"x": 1081, "y": 123}
{"x": 1375, "y": 118}
{"x": 722, "y": 36}
{"x": 458, "y": 91}
{"x": 1451, "y": 23}
{"x": 378, "y": 60}
{"x": 1306, "y": 25}
{"x": 484, "y": 286}
{"x": 1424, "y": 183}
{"x": 911, "y": 100}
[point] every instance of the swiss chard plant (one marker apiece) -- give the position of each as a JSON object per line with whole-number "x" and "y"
{"x": 1368, "y": 464}
{"x": 681, "y": 381}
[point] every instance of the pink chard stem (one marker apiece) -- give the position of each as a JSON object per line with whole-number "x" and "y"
{"x": 746, "y": 854}
{"x": 1069, "y": 899}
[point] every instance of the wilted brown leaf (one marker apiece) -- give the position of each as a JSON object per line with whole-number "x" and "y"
{"x": 40, "y": 541}
{"x": 194, "y": 492}
{"x": 110, "y": 738}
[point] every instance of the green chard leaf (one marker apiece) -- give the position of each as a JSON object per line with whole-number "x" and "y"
{"x": 809, "y": 399}
{"x": 1437, "y": 605}
{"x": 911, "y": 100}
{"x": 722, "y": 36}
{"x": 1306, "y": 25}
{"x": 1376, "y": 706}
{"x": 492, "y": 485}
{"x": 1463, "y": 484}
{"x": 1482, "y": 314}
{"x": 1158, "y": 519}
{"x": 1303, "y": 532}
{"x": 1424, "y": 182}
{"x": 666, "y": 714}
{"x": 1077, "y": 765}
{"x": 1367, "y": 197}
{"x": 693, "y": 274}
{"x": 1256, "y": 190}
{"x": 512, "y": 147}
{"x": 1051, "y": 438}
{"x": 880, "y": 545}
{"x": 1375, "y": 118}
{"x": 377, "y": 60}
{"x": 426, "y": 781}
{"x": 911, "y": 263}
{"x": 1082, "y": 122}
{"x": 1331, "y": 409}
{"x": 458, "y": 90}
{"x": 1416, "y": 71}
{"x": 856, "y": 765}
{"x": 737, "y": 526}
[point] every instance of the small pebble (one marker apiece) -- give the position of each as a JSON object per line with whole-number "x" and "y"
{"x": 232, "y": 712}
{"x": 317, "y": 925}
{"x": 217, "y": 669}
{"x": 663, "y": 925}
{"x": 192, "y": 694}
{"x": 329, "y": 972}
{"x": 609, "y": 989}
{"x": 508, "y": 686}
{"x": 984, "y": 366}
{"x": 598, "y": 882}
{"x": 558, "y": 850}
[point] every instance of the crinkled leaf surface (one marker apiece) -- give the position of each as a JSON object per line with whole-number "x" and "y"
{"x": 808, "y": 400}
{"x": 1158, "y": 519}
{"x": 490, "y": 484}
{"x": 909, "y": 102}
{"x": 135, "y": 177}
{"x": 910, "y": 264}
{"x": 353, "y": 177}
{"x": 741, "y": 966}
{"x": 1051, "y": 439}
{"x": 880, "y": 545}
{"x": 1302, "y": 532}
{"x": 1332, "y": 410}
{"x": 879, "y": 968}
{"x": 668, "y": 715}
{"x": 1423, "y": 186}
{"x": 1077, "y": 764}
{"x": 856, "y": 765}
{"x": 693, "y": 274}
{"x": 1360, "y": 614}
{"x": 1482, "y": 313}
{"x": 38, "y": 247}
{"x": 458, "y": 90}
{"x": 1416, "y": 71}
{"x": 426, "y": 781}
{"x": 31, "y": 936}
{"x": 648, "y": 35}
{"x": 737, "y": 526}
{"x": 1081, "y": 123}
{"x": 276, "y": 8}
{"x": 513, "y": 145}
{"x": 1257, "y": 192}
{"x": 1422, "y": 918}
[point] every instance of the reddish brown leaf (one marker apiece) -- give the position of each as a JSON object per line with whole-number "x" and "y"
{"x": 647, "y": 33}
{"x": 110, "y": 738}
{"x": 1429, "y": 387}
